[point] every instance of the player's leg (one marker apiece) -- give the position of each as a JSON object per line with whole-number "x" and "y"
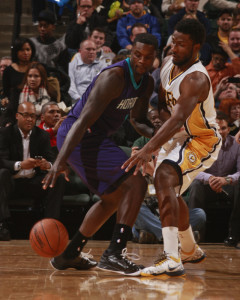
{"x": 167, "y": 178}
{"x": 190, "y": 251}
{"x": 114, "y": 257}
{"x": 129, "y": 195}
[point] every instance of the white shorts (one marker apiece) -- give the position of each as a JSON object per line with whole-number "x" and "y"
{"x": 189, "y": 155}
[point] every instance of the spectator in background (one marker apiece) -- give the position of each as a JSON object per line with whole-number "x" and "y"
{"x": 37, "y": 6}
{"x": 49, "y": 50}
{"x": 137, "y": 28}
{"x": 136, "y": 15}
{"x": 219, "y": 68}
{"x": 23, "y": 51}
{"x": 231, "y": 107}
{"x": 171, "y": 7}
{"x": 4, "y": 62}
{"x": 224, "y": 23}
{"x": 51, "y": 120}
{"x": 225, "y": 90}
{"x": 191, "y": 8}
{"x": 220, "y": 179}
{"x": 98, "y": 36}
{"x": 86, "y": 20}
{"x": 83, "y": 68}
{"x": 25, "y": 157}
{"x": 234, "y": 41}
{"x": 34, "y": 88}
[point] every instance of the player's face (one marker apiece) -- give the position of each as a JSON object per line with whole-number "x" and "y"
{"x": 223, "y": 128}
{"x": 182, "y": 48}
{"x": 142, "y": 58}
{"x": 51, "y": 115}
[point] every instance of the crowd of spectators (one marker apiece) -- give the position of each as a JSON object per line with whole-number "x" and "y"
{"x": 52, "y": 73}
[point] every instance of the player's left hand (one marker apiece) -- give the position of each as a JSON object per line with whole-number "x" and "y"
{"x": 140, "y": 159}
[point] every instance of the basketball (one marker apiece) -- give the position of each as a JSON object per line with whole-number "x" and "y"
{"x": 48, "y": 237}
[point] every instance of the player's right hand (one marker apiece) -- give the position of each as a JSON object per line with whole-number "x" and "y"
{"x": 52, "y": 175}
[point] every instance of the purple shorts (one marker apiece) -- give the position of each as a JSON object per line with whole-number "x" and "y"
{"x": 96, "y": 159}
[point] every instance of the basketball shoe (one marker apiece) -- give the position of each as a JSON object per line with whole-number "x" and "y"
{"x": 166, "y": 264}
{"x": 82, "y": 262}
{"x": 119, "y": 263}
{"x": 195, "y": 256}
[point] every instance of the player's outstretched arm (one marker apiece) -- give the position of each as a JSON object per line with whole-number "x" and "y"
{"x": 194, "y": 88}
{"x": 108, "y": 86}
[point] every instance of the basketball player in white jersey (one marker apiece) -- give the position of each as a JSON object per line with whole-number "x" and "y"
{"x": 189, "y": 143}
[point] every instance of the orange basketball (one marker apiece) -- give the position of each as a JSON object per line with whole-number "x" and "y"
{"x": 48, "y": 237}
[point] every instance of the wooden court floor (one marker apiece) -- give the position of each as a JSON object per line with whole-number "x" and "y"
{"x": 24, "y": 275}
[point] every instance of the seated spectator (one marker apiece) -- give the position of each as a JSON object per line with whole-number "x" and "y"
{"x": 23, "y": 51}
{"x": 4, "y": 62}
{"x": 225, "y": 90}
{"x": 49, "y": 50}
{"x": 148, "y": 227}
{"x": 51, "y": 120}
{"x": 34, "y": 88}
{"x": 221, "y": 180}
{"x": 219, "y": 68}
{"x": 191, "y": 7}
{"x": 231, "y": 107}
{"x": 98, "y": 36}
{"x": 25, "y": 157}
{"x": 85, "y": 21}
{"x": 221, "y": 34}
{"x": 136, "y": 15}
{"x": 171, "y": 7}
{"x": 234, "y": 41}
{"x": 83, "y": 68}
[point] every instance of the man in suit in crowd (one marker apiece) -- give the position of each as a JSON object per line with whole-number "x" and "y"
{"x": 25, "y": 157}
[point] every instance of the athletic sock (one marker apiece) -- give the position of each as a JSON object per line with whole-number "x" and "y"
{"x": 170, "y": 240}
{"x": 121, "y": 234}
{"x": 75, "y": 246}
{"x": 187, "y": 240}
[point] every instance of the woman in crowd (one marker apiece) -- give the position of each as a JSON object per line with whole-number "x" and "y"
{"x": 34, "y": 88}
{"x": 23, "y": 52}
{"x": 231, "y": 107}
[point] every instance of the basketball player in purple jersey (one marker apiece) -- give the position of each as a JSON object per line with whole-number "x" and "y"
{"x": 84, "y": 139}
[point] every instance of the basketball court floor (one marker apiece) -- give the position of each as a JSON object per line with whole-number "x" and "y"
{"x": 25, "y": 275}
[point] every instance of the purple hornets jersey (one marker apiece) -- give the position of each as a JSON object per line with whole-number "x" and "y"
{"x": 116, "y": 112}
{"x": 97, "y": 159}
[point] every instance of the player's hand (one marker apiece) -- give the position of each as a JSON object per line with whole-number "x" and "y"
{"x": 140, "y": 160}
{"x": 51, "y": 177}
{"x": 135, "y": 150}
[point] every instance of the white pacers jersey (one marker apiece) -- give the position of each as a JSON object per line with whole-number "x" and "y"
{"x": 195, "y": 147}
